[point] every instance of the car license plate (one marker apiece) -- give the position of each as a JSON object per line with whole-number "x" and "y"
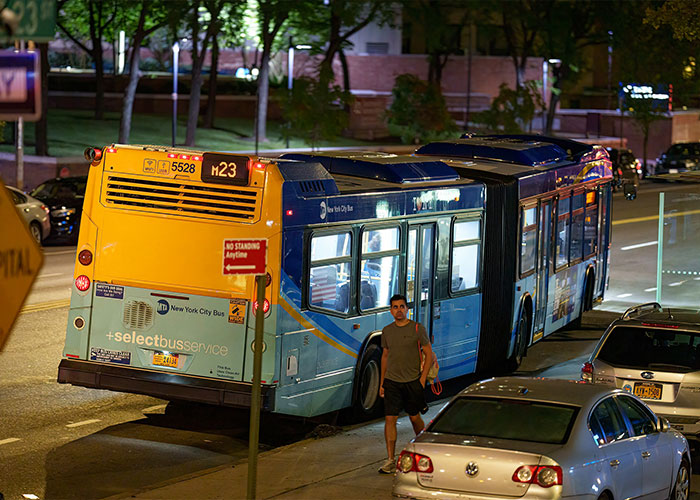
{"x": 162, "y": 359}
{"x": 647, "y": 390}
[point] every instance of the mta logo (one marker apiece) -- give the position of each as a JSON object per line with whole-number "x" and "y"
{"x": 163, "y": 306}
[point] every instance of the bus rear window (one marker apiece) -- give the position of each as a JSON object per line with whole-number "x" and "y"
{"x": 495, "y": 417}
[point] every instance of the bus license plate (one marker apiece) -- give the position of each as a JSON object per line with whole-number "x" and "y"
{"x": 162, "y": 359}
{"x": 647, "y": 390}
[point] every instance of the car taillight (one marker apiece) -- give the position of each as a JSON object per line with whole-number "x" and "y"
{"x": 85, "y": 257}
{"x": 543, "y": 475}
{"x": 82, "y": 282}
{"x": 45, "y": 209}
{"x": 414, "y": 462}
{"x": 587, "y": 371}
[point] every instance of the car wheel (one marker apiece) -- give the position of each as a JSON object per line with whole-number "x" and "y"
{"x": 367, "y": 400}
{"x": 681, "y": 487}
{"x": 35, "y": 230}
{"x": 604, "y": 496}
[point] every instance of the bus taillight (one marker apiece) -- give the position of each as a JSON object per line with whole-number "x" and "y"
{"x": 85, "y": 257}
{"x": 82, "y": 283}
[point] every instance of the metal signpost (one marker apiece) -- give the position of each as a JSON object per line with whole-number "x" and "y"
{"x": 249, "y": 256}
{"x": 20, "y": 261}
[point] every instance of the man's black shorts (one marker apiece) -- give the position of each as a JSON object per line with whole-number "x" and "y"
{"x": 408, "y": 396}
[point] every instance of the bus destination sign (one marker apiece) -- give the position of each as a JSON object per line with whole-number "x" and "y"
{"x": 221, "y": 168}
{"x": 245, "y": 256}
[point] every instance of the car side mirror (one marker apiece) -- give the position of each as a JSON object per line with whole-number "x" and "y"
{"x": 630, "y": 191}
{"x": 664, "y": 425}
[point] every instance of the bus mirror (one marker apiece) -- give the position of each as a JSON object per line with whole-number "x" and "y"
{"x": 630, "y": 191}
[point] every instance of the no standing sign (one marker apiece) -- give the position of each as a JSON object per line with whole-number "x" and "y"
{"x": 245, "y": 256}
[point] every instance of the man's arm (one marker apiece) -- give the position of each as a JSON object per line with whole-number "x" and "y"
{"x": 385, "y": 356}
{"x": 428, "y": 351}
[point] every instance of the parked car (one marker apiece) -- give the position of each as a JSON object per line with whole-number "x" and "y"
{"x": 533, "y": 438}
{"x": 33, "y": 211}
{"x": 626, "y": 168}
{"x": 654, "y": 353}
{"x": 64, "y": 196}
{"x": 680, "y": 157}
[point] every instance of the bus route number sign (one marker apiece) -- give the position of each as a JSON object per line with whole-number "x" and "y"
{"x": 245, "y": 256}
{"x": 225, "y": 169}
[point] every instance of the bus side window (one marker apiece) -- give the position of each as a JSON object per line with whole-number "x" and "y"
{"x": 562, "y": 233}
{"x": 329, "y": 273}
{"x": 590, "y": 224}
{"x": 576, "y": 250}
{"x": 466, "y": 253}
{"x": 379, "y": 266}
{"x": 528, "y": 239}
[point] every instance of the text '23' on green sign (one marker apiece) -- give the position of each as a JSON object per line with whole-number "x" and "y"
{"x": 37, "y": 19}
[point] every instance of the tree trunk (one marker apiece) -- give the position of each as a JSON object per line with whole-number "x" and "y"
{"x": 551, "y": 110}
{"x": 263, "y": 93}
{"x": 130, "y": 92}
{"x": 41, "y": 143}
{"x": 196, "y": 88}
{"x": 346, "y": 70}
{"x": 213, "y": 77}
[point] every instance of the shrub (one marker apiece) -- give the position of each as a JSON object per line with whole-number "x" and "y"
{"x": 512, "y": 110}
{"x": 314, "y": 112}
{"x": 418, "y": 112}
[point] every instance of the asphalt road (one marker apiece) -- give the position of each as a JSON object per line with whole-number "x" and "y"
{"x": 59, "y": 441}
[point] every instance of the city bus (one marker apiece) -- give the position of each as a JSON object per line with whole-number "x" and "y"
{"x": 551, "y": 197}
{"x": 152, "y": 311}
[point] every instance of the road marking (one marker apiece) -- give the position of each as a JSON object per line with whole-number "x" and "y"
{"x": 153, "y": 408}
{"x": 84, "y": 422}
{"x": 49, "y": 275}
{"x": 640, "y": 245}
{"x": 624, "y": 295}
{"x": 30, "y": 496}
{"x": 44, "y": 306}
{"x": 677, "y": 283}
{"x": 652, "y": 289}
{"x": 9, "y": 440}
{"x": 654, "y": 217}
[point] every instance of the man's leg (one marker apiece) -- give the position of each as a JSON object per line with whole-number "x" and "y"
{"x": 390, "y": 435}
{"x": 416, "y": 422}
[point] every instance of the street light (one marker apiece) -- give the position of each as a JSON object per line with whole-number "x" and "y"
{"x": 290, "y": 71}
{"x": 176, "y": 52}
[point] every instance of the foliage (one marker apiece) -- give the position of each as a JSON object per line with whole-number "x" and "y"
{"x": 418, "y": 112}
{"x": 315, "y": 112}
{"x": 680, "y": 15}
{"x": 512, "y": 110}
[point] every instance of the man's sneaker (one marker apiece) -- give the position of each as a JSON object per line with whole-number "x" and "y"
{"x": 388, "y": 467}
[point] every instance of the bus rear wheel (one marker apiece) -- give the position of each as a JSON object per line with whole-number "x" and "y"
{"x": 521, "y": 334}
{"x": 367, "y": 401}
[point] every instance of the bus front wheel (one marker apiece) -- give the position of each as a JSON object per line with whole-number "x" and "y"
{"x": 367, "y": 400}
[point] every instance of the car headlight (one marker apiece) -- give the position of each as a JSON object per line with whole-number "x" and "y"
{"x": 62, "y": 212}
{"x": 691, "y": 163}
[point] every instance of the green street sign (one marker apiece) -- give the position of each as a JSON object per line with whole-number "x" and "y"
{"x": 37, "y": 19}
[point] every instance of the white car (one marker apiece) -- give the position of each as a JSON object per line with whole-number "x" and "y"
{"x": 34, "y": 212}
{"x": 533, "y": 438}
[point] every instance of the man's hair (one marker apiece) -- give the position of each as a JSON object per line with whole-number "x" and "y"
{"x": 397, "y": 297}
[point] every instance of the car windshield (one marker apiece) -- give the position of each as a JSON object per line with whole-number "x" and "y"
{"x": 503, "y": 418}
{"x": 652, "y": 348}
{"x": 684, "y": 150}
{"x": 63, "y": 188}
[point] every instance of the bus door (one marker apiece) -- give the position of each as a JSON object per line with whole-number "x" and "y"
{"x": 543, "y": 266}
{"x": 605, "y": 198}
{"x": 420, "y": 273}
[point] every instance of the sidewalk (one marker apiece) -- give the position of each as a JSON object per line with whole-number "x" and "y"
{"x": 345, "y": 465}
{"x": 341, "y": 466}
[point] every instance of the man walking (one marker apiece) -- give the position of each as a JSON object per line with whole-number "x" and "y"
{"x": 402, "y": 381}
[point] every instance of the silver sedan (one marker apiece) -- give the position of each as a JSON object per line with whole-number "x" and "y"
{"x": 34, "y": 213}
{"x": 544, "y": 439}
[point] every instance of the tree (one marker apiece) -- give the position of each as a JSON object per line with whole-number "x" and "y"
{"x": 272, "y": 14}
{"x": 142, "y": 19}
{"x": 41, "y": 140}
{"x": 79, "y": 19}
{"x": 570, "y": 27}
{"x": 513, "y": 109}
{"x": 442, "y": 22}
{"x": 199, "y": 50}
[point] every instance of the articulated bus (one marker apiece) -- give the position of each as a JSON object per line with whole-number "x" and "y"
{"x": 152, "y": 311}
